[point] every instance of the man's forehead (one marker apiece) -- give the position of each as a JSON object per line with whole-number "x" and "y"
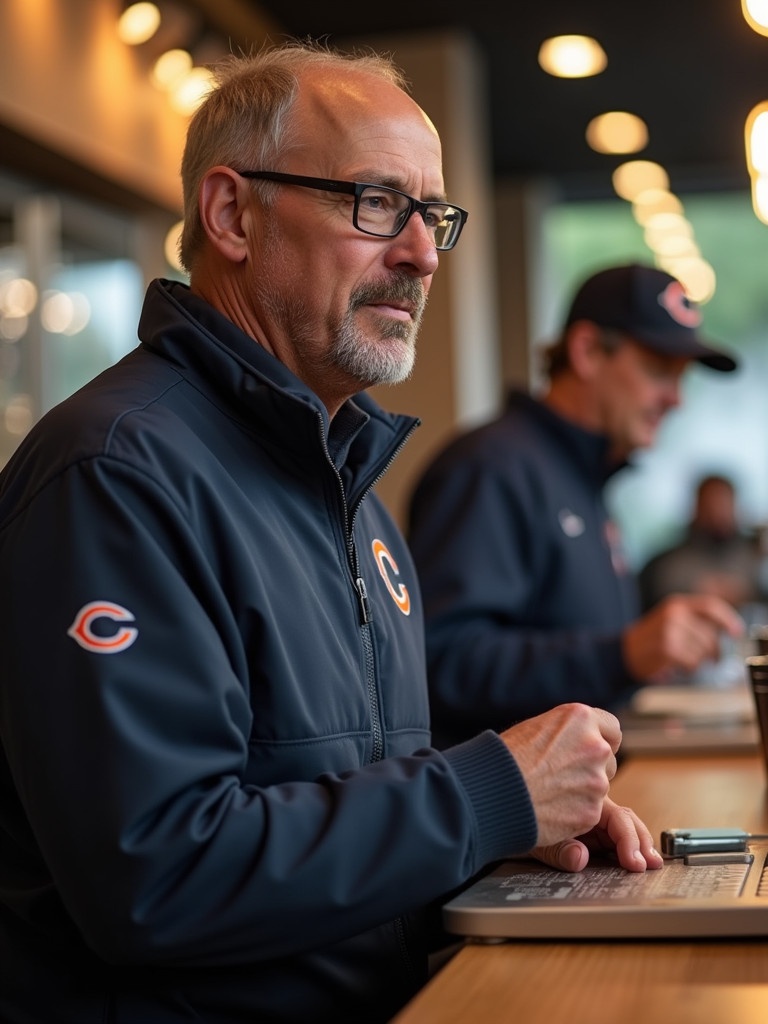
{"x": 364, "y": 121}
{"x": 362, "y": 102}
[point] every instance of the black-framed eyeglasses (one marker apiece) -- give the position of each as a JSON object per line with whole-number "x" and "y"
{"x": 380, "y": 210}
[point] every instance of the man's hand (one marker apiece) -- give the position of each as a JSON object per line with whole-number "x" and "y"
{"x": 567, "y": 757}
{"x": 619, "y": 830}
{"x": 678, "y": 634}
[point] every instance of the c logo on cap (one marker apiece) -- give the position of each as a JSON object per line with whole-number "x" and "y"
{"x": 677, "y": 304}
{"x": 82, "y": 633}
{"x": 385, "y": 562}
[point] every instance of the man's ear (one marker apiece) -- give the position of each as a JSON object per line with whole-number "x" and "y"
{"x": 224, "y": 198}
{"x": 585, "y": 348}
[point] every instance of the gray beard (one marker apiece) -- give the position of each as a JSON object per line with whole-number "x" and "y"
{"x": 386, "y": 357}
{"x": 389, "y": 358}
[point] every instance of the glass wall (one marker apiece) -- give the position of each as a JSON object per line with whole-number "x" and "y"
{"x": 71, "y": 288}
{"x": 722, "y": 425}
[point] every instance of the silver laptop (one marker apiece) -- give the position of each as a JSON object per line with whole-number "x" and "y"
{"x": 702, "y": 894}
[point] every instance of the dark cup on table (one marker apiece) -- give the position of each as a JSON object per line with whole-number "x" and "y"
{"x": 757, "y": 669}
{"x": 758, "y": 634}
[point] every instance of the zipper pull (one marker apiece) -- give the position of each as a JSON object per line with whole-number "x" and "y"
{"x": 365, "y": 607}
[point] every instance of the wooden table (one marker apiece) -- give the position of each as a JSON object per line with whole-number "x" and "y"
{"x": 648, "y": 982}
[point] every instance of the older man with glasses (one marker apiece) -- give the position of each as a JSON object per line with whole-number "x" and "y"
{"x": 220, "y": 799}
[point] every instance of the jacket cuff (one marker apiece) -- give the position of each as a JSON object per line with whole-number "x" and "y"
{"x": 495, "y": 789}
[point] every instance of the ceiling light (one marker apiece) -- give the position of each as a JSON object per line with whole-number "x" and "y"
{"x": 756, "y": 15}
{"x": 190, "y": 91}
{"x": 672, "y": 246}
{"x": 138, "y": 23}
{"x": 171, "y": 246}
{"x": 631, "y": 178}
{"x": 695, "y": 275}
{"x": 760, "y": 197}
{"x": 652, "y": 201}
{"x": 756, "y": 144}
{"x": 170, "y": 67}
{"x": 572, "y": 56}
{"x": 756, "y": 138}
{"x": 667, "y": 224}
{"x": 617, "y": 132}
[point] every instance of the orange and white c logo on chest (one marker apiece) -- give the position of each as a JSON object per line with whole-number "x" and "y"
{"x": 387, "y": 566}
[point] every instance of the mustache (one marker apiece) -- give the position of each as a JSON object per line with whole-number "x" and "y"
{"x": 400, "y": 288}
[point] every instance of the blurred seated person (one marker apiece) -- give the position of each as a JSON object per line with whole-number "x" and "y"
{"x": 716, "y": 555}
{"x": 528, "y": 598}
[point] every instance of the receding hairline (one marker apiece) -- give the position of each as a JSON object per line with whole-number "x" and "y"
{"x": 298, "y": 56}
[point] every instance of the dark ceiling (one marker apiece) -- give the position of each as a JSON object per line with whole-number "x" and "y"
{"x": 692, "y": 69}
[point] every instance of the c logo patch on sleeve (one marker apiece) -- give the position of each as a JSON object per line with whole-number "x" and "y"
{"x": 387, "y": 566}
{"x": 118, "y": 639}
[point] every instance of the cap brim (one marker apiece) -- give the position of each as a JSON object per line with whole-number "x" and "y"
{"x": 718, "y": 361}
{"x": 690, "y": 348}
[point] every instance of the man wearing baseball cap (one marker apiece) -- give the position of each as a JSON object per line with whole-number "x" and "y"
{"x": 651, "y": 306}
{"x": 528, "y": 600}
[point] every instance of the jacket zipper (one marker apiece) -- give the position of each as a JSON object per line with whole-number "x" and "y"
{"x": 366, "y": 617}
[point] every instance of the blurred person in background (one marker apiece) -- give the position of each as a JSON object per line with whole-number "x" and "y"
{"x": 529, "y": 600}
{"x": 717, "y": 554}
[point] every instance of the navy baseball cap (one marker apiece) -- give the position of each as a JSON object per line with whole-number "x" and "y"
{"x": 651, "y": 306}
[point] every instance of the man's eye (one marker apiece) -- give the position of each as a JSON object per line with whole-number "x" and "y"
{"x": 376, "y": 201}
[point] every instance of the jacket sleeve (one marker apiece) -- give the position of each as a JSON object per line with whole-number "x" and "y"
{"x": 127, "y": 732}
{"x": 482, "y": 556}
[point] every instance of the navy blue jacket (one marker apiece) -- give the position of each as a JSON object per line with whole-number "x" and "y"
{"x": 525, "y": 588}
{"x": 218, "y": 801}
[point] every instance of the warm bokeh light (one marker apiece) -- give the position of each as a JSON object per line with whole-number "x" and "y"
{"x": 756, "y": 145}
{"x": 12, "y": 328}
{"x": 18, "y": 415}
{"x": 667, "y": 224}
{"x": 695, "y": 275}
{"x": 756, "y": 139}
{"x": 191, "y": 90}
{"x": 617, "y": 132}
{"x": 171, "y": 246}
{"x": 170, "y": 67}
{"x": 18, "y": 297}
{"x": 669, "y": 236}
{"x": 572, "y": 56}
{"x": 138, "y": 23}
{"x": 64, "y": 312}
{"x": 651, "y": 201}
{"x": 632, "y": 178}
{"x": 756, "y": 15}
{"x": 671, "y": 245}
{"x": 760, "y": 197}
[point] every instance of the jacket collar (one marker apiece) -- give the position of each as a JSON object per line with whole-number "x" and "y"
{"x": 262, "y": 393}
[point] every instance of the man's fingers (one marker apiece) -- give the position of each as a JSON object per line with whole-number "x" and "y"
{"x": 611, "y": 731}
{"x": 569, "y": 855}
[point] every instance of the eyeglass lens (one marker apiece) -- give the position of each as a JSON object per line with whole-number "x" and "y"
{"x": 382, "y": 211}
